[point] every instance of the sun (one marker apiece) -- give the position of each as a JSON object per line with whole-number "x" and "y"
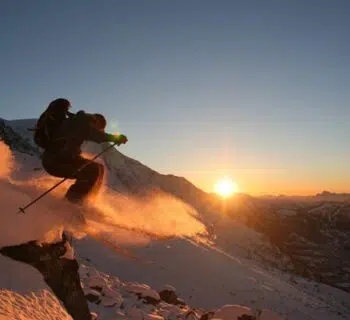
{"x": 225, "y": 187}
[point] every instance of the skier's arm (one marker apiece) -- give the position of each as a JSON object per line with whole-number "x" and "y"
{"x": 100, "y": 136}
{"x": 95, "y": 135}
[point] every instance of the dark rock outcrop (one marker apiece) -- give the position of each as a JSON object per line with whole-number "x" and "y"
{"x": 170, "y": 297}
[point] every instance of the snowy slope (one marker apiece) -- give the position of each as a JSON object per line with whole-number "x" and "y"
{"x": 202, "y": 279}
{"x": 109, "y": 298}
{"x": 208, "y": 278}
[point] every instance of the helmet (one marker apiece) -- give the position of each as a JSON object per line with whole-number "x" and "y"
{"x": 60, "y": 103}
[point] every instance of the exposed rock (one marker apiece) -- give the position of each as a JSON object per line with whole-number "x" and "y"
{"x": 150, "y": 300}
{"x": 93, "y": 298}
{"x": 144, "y": 293}
{"x": 170, "y": 297}
{"x": 59, "y": 273}
{"x": 97, "y": 288}
{"x": 207, "y": 316}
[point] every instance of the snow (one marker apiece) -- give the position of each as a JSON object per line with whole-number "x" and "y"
{"x": 232, "y": 312}
{"x": 16, "y": 228}
{"x": 42, "y": 305}
{"x": 208, "y": 279}
{"x": 169, "y": 288}
{"x": 268, "y": 315}
{"x": 143, "y": 290}
{"x": 55, "y": 214}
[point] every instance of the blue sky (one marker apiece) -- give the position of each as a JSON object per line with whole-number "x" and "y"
{"x": 254, "y": 90}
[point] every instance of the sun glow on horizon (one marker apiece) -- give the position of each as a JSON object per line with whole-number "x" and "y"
{"x": 225, "y": 187}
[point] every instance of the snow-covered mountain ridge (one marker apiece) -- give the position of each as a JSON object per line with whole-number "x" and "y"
{"x": 17, "y": 140}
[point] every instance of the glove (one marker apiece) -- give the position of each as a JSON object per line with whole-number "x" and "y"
{"x": 117, "y": 138}
{"x": 122, "y": 139}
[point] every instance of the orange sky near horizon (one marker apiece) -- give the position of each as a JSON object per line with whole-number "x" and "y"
{"x": 258, "y": 182}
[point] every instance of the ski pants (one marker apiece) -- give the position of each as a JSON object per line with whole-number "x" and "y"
{"x": 88, "y": 180}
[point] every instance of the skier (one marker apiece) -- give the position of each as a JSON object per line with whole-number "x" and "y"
{"x": 61, "y": 135}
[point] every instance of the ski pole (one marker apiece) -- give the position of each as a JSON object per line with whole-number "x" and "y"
{"x": 22, "y": 209}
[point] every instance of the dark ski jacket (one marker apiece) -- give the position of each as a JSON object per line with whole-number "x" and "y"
{"x": 71, "y": 134}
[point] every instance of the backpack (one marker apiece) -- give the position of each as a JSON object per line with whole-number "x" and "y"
{"x": 49, "y": 122}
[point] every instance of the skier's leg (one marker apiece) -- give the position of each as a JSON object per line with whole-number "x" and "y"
{"x": 88, "y": 182}
{"x": 61, "y": 167}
